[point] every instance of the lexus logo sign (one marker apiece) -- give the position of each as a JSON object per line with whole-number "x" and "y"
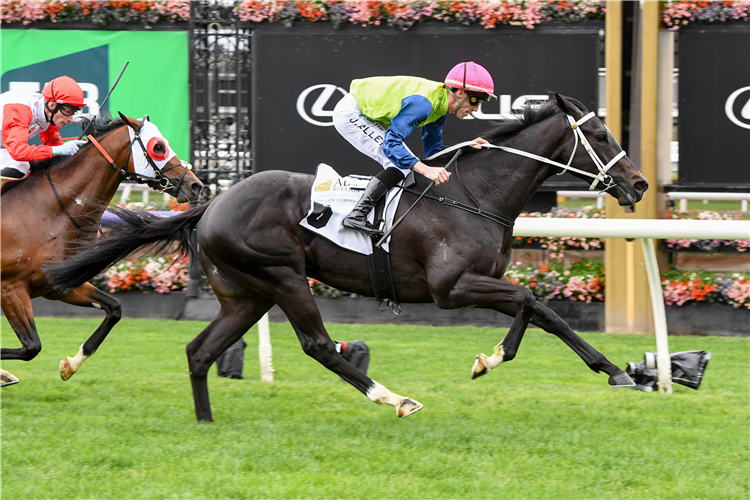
{"x": 318, "y": 115}
{"x": 737, "y": 107}
{"x": 315, "y": 104}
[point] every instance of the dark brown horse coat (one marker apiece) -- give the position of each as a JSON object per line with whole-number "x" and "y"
{"x": 38, "y": 228}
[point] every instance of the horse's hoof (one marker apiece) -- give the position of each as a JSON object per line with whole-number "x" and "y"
{"x": 480, "y": 366}
{"x": 66, "y": 371}
{"x": 7, "y": 379}
{"x": 621, "y": 379}
{"x": 407, "y": 407}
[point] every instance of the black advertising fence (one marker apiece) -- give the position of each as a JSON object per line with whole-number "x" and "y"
{"x": 299, "y": 74}
{"x": 714, "y": 106}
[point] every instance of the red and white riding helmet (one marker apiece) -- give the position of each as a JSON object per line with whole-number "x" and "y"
{"x": 64, "y": 90}
{"x": 472, "y": 77}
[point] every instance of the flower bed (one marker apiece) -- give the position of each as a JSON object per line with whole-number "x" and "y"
{"x": 678, "y": 13}
{"x": 557, "y": 246}
{"x": 95, "y": 12}
{"x": 400, "y": 14}
{"x": 581, "y": 281}
{"x": 151, "y": 273}
{"x": 707, "y": 245}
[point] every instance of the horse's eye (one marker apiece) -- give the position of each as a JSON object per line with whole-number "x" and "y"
{"x": 159, "y": 148}
{"x": 601, "y": 137}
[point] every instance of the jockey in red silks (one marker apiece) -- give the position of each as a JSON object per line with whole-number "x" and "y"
{"x": 379, "y": 113}
{"x": 25, "y": 114}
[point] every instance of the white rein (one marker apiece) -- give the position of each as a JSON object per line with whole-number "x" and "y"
{"x": 602, "y": 176}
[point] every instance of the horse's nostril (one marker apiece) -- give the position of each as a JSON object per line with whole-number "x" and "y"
{"x": 641, "y": 186}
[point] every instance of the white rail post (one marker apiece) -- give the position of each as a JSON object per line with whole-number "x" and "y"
{"x": 663, "y": 360}
{"x": 125, "y": 193}
{"x": 264, "y": 349}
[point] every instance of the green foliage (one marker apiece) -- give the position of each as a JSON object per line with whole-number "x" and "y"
{"x": 542, "y": 426}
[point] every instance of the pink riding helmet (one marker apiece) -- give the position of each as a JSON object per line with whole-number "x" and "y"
{"x": 470, "y": 76}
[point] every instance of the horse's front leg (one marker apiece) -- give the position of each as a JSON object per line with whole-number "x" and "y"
{"x": 87, "y": 295}
{"x": 518, "y": 302}
{"x": 548, "y": 320}
{"x": 486, "y": 292}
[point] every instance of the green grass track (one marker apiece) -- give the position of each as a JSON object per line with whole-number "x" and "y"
{"x": 542, "y": 426}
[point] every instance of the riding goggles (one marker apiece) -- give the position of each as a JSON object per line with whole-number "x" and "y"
{"x": 476, "y": 98}
{"x": 67, "y": 109}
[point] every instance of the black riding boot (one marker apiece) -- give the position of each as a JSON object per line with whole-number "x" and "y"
{"x": 357, "y": 218}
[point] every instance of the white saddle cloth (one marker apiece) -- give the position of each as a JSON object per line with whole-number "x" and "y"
{"x": 340, "y": 194}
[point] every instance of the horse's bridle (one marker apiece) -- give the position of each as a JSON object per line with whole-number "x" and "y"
{"x": 602, "y": 176}
{"x": 156, "y": 182}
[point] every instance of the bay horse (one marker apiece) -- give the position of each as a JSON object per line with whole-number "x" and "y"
{"x": 60, "y": 205}
{"x": 255, "y": 254}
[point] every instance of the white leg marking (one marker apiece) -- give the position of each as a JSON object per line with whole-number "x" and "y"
{"x": 379, "y": 394}
{"x": 496, "y": 358}
{"x": 96, "y": 305}
{"x": 76, "y": 362}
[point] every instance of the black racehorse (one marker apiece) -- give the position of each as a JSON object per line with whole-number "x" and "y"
{"x": 255, "y": 254}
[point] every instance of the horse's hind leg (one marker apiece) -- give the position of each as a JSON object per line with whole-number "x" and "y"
{"x": 236, "y": 316}
{"x": 87, "y": 295}
{"x": 303, "y": 314}
{"x": 16, "y": 305}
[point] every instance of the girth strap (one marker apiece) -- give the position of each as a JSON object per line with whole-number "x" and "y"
{"x": 380, "y": 266}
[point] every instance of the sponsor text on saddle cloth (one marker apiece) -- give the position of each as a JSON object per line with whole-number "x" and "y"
{"x": 332, "y": 197}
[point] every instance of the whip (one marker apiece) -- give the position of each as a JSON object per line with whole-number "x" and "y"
{"x": 83, "y": 132}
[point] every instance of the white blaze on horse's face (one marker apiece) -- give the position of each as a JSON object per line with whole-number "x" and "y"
{"x": 141, "y": 165}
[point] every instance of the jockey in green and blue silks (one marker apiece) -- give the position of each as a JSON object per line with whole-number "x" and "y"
{"x": 381, "y": 112}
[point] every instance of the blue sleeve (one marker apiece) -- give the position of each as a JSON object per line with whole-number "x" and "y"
{"x": 414, "y": 110}
{"x": 432, "y": 137}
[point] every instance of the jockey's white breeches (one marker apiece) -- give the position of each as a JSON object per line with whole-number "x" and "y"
{"x": 363, "y": 133}
{"x": 7, "y": 161}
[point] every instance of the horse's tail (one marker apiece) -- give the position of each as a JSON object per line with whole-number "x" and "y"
{"x": 137, "y": 229}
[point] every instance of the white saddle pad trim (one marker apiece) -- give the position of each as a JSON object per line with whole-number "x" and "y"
{"x": 341, "y": 194}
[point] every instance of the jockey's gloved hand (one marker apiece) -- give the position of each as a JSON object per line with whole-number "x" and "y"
{"x": 68, "y": 149}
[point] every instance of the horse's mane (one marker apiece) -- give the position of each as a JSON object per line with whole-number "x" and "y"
{"x": 531, "y": 115}
{"x": 96, "y": 126}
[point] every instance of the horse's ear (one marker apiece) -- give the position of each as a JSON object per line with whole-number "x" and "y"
{"x": 565, "y": 106}
{"x": 132, "y": 122}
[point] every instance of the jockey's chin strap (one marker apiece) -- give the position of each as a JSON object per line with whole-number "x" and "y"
{"x": 158, "y": 182}
{"x": 602, "y": 176}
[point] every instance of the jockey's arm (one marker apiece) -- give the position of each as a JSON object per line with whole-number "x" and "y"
{"x": 16, "y": 120}
{"x": 51, "y": 136}
{"x": 414, "y": 110}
